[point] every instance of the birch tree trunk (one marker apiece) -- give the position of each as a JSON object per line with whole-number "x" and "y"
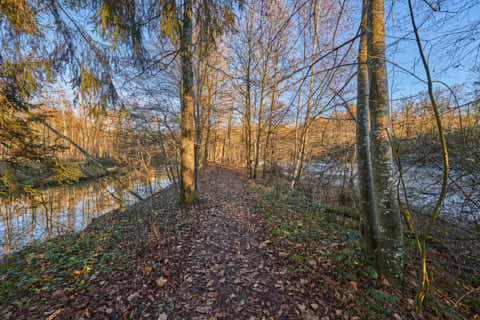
{"x": 368, "y": 219}
{"x": 187, "y": 163}
{"x": 390, "y": 236}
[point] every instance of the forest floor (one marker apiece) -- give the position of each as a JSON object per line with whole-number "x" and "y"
{"x": 245, "y": 250}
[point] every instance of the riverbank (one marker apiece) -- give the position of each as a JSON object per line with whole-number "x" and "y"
{"x": 60, "y": 209}
{"x": 39, "y": 176}
{"x": 68, "y": 275}
{"x": 423, "y": 184}
{"x": 316, "y": 233}
{"x": 245, "y": 250}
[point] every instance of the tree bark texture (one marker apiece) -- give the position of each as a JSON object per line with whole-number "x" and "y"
{"x": 390, "y": 236}
{"x": 368, "y": 219}
{"x": 187, "y": 164}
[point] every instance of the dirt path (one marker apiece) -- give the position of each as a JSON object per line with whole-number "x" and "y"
{"x": 229, "y": 274}
{"x": 208, "y": 261}
{"x": 223, "y": 258}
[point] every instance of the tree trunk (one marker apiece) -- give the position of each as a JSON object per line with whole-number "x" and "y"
{"x": 260, "y": 117}
{"x": 299, "y": 110}
{"x": 390, "y": 236}
{"x": 198, "y": 109}
{"x": 306, "y": 126}
{"x": 226, "y": 140}
{"x": 368, "y": 219}
{"x": 248, "y": 131}
{"x": 207, "y": 134}
{"x": 270, "y": 118}
{"x": 208, "y": 121}
{"x": 187, "y": 165}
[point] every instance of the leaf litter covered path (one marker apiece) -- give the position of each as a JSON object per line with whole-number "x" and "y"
{"x": 229, "y": 274}
{"x": 245, "y": 250}
{"x": 210, "y": 261}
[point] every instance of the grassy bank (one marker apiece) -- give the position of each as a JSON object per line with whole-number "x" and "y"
{"x": 321, "y": 241}
{"x": 70, "y": 276}
{"x": 68, "y": 263}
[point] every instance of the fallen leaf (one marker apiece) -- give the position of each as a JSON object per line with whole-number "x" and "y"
{"x": 57, "y": 293}
{"x": 86, "y": 313}
{"x": 54, "y": 315}
{"x": 353, "y": 285}
{"x": 147, "y": 271}
{"x": 264, "y": 244}
{"x": 312, "y": 262}
{"x": 161, "y": 281}
{"x": 203, "y": 309}
{"x": 133, "y": 296}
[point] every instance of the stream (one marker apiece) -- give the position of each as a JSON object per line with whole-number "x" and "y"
{"x": 423, "y": 184}
{"x": 70, "y": 207}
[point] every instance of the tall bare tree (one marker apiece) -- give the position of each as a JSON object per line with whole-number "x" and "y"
{"x": 300, "y": 157}
{"x": 368, "y": 219}
{"x": 390, "y": 233}
{"x": 187, "y": 164}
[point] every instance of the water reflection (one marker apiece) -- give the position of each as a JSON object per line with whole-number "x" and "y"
{"x": 73, "y": 207}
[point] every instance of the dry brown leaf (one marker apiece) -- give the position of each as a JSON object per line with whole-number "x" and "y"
{"x": 161, "y": 282}
{"x": 147, "y": 271}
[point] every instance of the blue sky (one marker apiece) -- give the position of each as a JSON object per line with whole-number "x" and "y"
{"x": 450, "y": 60}
{"x": 451, "y": 41}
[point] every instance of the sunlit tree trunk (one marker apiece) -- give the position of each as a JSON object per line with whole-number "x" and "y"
{"x": 187, "y": 164}
{"x": 247, "y": 118}
{"x": 368, "y": 219}
{"x": 260, "y": 116}
{"x": 200, "y": 76}
{"x": 299, "y": 110}
{"x": 208, "y": 127}
{"x": 306, "y": 126}
{"x": 226, "y": 140}
{"x": 390, "y": 236}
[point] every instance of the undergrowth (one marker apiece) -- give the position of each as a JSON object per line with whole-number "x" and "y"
{"x": 322, "y": 240}
{"x": 71, "y": 262}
